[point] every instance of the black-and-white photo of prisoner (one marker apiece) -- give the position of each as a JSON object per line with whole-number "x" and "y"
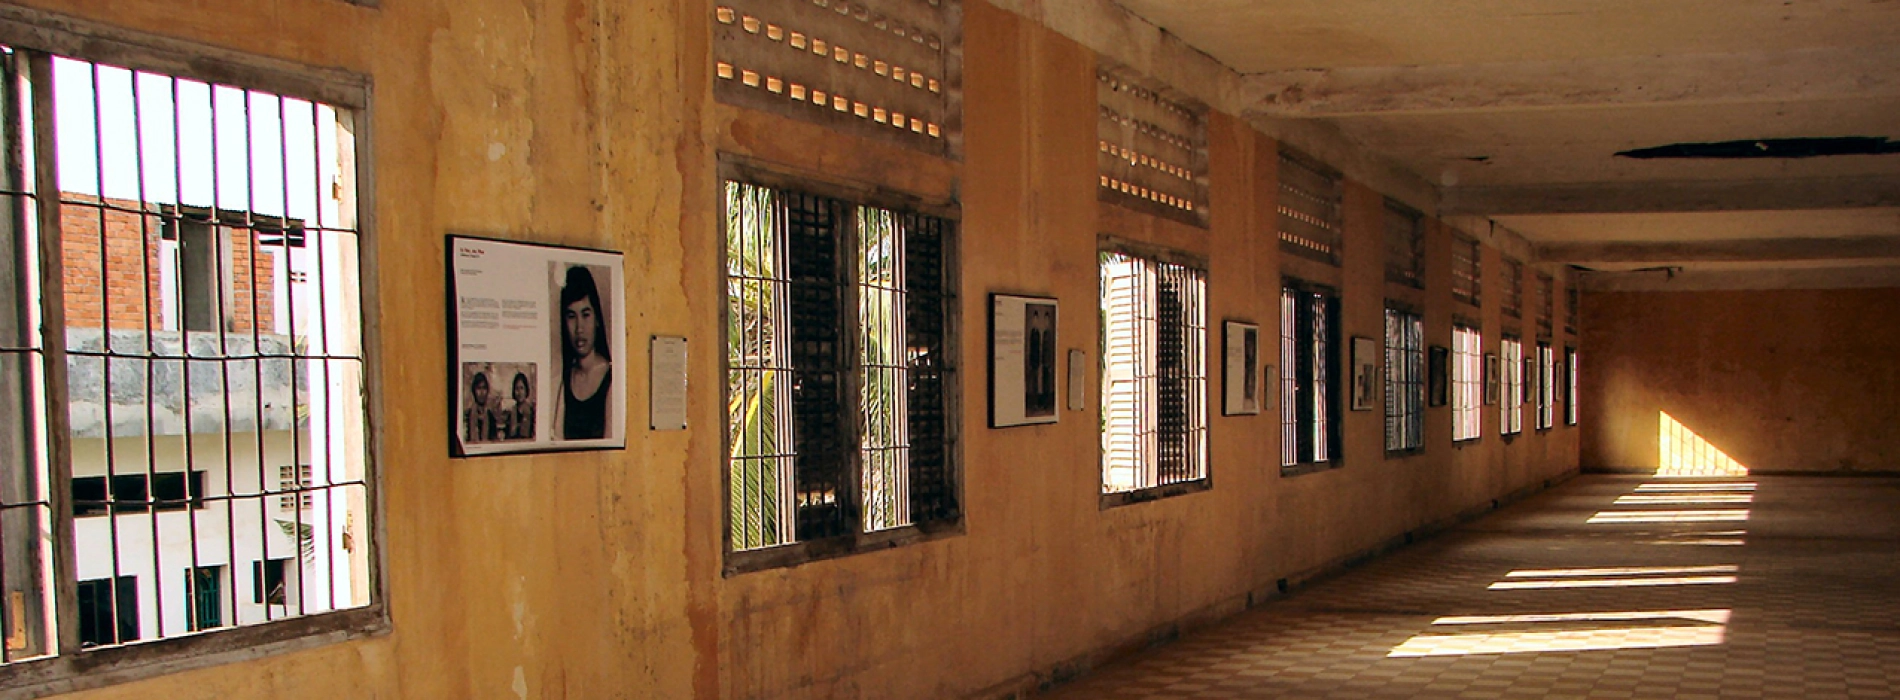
{"x": 1250, "y": 372}
{"x": 581, "y": 332}
{"x": 1039, "y": 360}
{"x": 498, "y": 401}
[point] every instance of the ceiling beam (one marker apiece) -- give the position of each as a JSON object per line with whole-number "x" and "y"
{"x": 1678, "y": 196}
{"x": 1857, "y": 277}
{"x": 1736, "y": 250}
{"x": 1787, "y": 76}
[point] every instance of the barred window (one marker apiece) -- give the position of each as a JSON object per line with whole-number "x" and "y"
{"x": 1546, "y": 391}
{"x": 1309, "y": 399}
{"x": 1466, "y": 270}
{"x": 205, "y": 328}
{"x": 1513, "y": 305}
{"x": 1154, "y": 373}
{"x": 1467, "y": 382}
{"x": 1511, "y": 402}
{"x": 838, "y": 373}
{"x": 1311, "y": 219}
{"x": 884, "y": 69}
{"x": 1151, "y": 148}
{"x": 1570, "y": 395}
{"x": 1404, "y": 245}
{"x": 1404, "y": 380}
{"x": 1546, "y": 302}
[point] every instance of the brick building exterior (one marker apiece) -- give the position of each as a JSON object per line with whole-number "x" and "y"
{"x": 117, "y": 280}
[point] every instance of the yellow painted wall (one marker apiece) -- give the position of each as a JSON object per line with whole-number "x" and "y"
{"x": 1778, "y": 381}
{"x": 597, "y": 575}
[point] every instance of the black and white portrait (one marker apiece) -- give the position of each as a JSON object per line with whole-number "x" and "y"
{"x": 582, "y": 408}
{"x": 1023, "y": 341}
{"x": 1240, "y": 389}
{"x": 1039, "y": 360}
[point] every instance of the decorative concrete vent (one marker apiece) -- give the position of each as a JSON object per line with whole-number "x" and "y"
{"x": 1467, "y": 271}
{"x": 1513, "y": 305}
{"x": 1152, "y": 149}
{"x": 884, "y": 69}
{"x": 1404, "y": 245}
{"x": 1311, "y": 211}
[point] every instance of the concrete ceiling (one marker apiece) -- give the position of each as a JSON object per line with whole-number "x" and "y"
{"x": 1516, "y": 109}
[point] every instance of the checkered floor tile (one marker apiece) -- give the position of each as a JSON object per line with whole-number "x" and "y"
{"x": 1606, "y": 587}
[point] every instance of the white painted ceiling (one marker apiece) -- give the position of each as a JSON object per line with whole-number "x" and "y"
{"x": 1450, "y": 90}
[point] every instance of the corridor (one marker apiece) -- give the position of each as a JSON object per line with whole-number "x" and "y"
{"x": 1604, "y": 587}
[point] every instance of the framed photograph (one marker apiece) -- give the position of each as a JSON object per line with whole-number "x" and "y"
{"x": 1240, "y": 380}
{"x": 1492, "y": 381}
{"x": 1022, "y": 360}
{"x": 535, "y": 332}
{"x": 1365, "y": 373}
{"x": 1438, "y": 376}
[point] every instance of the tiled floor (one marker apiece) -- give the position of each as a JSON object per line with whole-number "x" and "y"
{"x": 1605, "y": 587}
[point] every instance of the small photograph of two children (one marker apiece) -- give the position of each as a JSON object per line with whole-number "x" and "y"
{"x": 500, "y": 402}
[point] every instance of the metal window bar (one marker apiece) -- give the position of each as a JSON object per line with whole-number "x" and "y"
{"x": 1467, "y": 381}
{"x": 1181, "y": 352}
{"x": 883, "y": 370}
{"x": 820, "y": 311}
{"x": 1546, "y": 387}
{"x": 1466, "y": 270}
{"x": 1404, "y": 381}
{"x": 1310, "y": 210}
{"x": 126, "y": 151}
{"x": 1570, "y": 402}
{"x": 1404, "y": 245}
{"x": 759, "y": 371}
{"x": 1320, "y": 328}
{"x": 929, "y": 299}
{"x": 1511, "y": 403}
{"x": 1289, "y": 378}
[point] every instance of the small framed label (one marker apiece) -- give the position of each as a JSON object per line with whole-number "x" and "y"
{"x": 668, "y": 403}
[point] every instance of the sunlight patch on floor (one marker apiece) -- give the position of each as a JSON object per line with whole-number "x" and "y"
{"x": 1698, "y": 499}
{"x": 1568, "y": 640}
{"x": 1624, "y": 517}
{"x": 1624, "y": 571}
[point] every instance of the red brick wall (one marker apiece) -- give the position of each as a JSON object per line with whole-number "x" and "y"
{"x": 110, "y": 278}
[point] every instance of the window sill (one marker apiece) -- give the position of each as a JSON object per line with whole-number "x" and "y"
{"x": 1154, "y": 493}
{"x": 1405, "y": 453}
{"x": 793, "y": 555}
{"x": 1467, "y": 442}
{"x": 1310, "y": 468}
{"x": 98, "y": 668}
